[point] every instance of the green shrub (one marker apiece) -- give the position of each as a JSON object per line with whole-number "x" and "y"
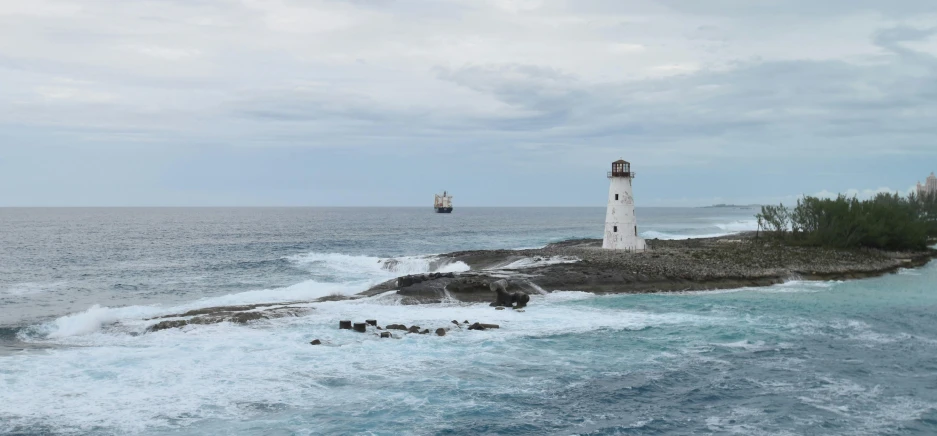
{"x": 887, "y": 221}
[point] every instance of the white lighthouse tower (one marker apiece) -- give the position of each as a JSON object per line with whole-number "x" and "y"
{"x": 621, "y": 225}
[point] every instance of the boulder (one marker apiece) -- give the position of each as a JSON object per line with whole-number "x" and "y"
{"x": 508, "y": 299}
{"x": 440, "y": 332}
{"x": 521, "y": 298}
{"x": 414, "y": 329}
{"x": 315, "y": 342}
{"x": 396, "y": 327}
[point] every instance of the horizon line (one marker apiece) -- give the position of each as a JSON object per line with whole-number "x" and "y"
{"x": 345, "y": 207}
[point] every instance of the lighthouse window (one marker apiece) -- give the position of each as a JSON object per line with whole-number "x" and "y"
{"x": 616, "y": 196}
{"x": 615, "y": 229}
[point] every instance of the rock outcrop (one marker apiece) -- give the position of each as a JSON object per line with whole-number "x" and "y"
{"x": 235, "y": 314}
{"x": 685, "y": 265}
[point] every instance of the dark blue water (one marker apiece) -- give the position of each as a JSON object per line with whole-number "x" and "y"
{"x": 856, "y": 357}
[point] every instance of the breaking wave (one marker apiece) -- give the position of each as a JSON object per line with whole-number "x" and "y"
{"x": 709, "y": 231}
{"x": 334, "y": 274}
{"x": 366, "y": 266}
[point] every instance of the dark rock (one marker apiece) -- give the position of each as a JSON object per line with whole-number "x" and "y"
{"x": 163, "y": 325}
{"x": 441, "y": 332}
{"x": 455, "y": 322}
{"x": 476, "y": 326}
{"x": 505, "y": 298}
{"x": 315, "y": 342}
{"x": 396, "y": 327}
{"x": 465, "y": 322}
{"x": 414, "y": 329}
{"x": 499, "y": 308}
{"x": 521, "y": 299}
{"x": 372, "y": 322}
{"x": 360, "y": 327}
{"x": 344, "y": 325}
{"x": 386, "y": 335}
{"x": 424, "y": 332}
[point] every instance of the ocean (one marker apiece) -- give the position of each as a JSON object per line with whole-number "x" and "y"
{"x": 77, "y": 285}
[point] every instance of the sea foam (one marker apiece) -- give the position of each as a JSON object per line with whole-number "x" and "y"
{"x": 358, "y": 272}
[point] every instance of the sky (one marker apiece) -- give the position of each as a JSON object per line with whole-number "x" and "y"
{"x": 500, "y": 102}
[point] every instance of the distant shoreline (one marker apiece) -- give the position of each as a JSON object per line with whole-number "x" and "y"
{"x": 731, "y": 206}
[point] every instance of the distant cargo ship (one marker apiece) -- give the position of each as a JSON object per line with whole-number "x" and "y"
{"x": 443, "y": 203}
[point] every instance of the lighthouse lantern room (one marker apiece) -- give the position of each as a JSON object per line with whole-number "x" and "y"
{"x": 621, "y": 225}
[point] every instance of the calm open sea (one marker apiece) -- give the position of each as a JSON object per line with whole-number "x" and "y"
{"x": 76, "y": 286}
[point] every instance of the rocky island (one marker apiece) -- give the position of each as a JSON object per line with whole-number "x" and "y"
{"x": 668, "y": 265}
{"x": 582, "y": 265}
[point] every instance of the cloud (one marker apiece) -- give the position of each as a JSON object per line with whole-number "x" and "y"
{"x": 166, "y": 53}
{"x": 699, "y": 86}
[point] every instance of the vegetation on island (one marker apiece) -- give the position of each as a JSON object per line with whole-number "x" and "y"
{"x": 887, "y": 221}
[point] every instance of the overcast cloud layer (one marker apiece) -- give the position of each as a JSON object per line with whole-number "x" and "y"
{"x": 503, "y": 102}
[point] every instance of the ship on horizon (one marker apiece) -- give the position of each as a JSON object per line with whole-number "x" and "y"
{"x": 443, "y": 203}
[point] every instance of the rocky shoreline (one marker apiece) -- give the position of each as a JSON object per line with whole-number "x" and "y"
{"x": 682, "y": 265}
{"x": 582, "y": 265}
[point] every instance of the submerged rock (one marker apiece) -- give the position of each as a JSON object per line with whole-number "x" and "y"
{"x": 482, "y": 326}
{"x": 315, "y": 342}
{"x": 163, "y": 325}
{"x": 235, "y": 314}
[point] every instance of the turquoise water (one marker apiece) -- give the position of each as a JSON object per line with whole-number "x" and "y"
{"x": 856, "y": 357}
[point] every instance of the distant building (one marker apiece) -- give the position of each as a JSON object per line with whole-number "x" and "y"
{"x": 929, "y": 187}
{"x": 621, "y": 225}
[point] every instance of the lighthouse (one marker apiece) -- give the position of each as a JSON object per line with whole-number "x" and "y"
{"x": 621, "y": 225}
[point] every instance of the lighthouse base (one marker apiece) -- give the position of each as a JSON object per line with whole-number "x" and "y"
{"x": 614, "y": 241}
